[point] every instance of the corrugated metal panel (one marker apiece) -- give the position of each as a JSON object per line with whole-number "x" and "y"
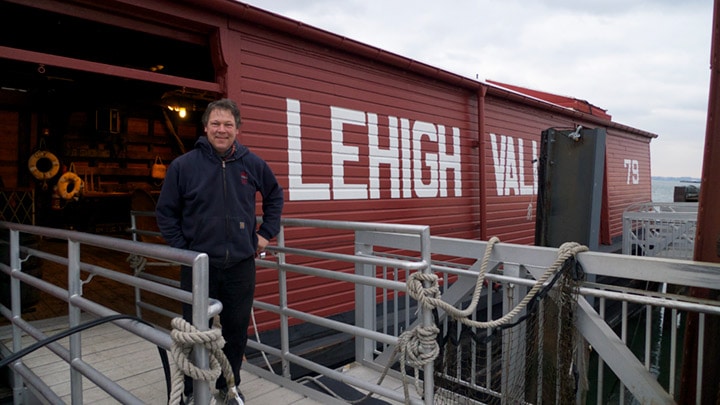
{"x": 627, "y": 175}
{"x": 513, "y": 135}
{"x": 513, "y": 143}
{"x": 292, "y": 95}
{"x": 316, "y": 114}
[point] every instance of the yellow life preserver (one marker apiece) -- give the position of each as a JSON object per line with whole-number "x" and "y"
{"x": 64, "y": 183}
{"x": 43, "y": 174}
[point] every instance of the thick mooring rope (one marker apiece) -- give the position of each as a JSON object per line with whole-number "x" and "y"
{"x": 429, "y": 297}
{"x": 418, "y": 346}
{"x": 184, "y": 338}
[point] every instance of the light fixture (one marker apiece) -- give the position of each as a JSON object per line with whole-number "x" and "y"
{"x": 182, "y": 111}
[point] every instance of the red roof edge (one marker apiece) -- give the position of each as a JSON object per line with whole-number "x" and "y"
{"x": 567, "y": 102}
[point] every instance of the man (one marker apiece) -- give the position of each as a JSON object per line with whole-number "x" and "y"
{"x": 207, "y": 204}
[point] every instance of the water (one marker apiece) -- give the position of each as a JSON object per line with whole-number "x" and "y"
{"x": 663, "y": 189}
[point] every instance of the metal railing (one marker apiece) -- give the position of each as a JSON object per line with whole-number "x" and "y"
{"x": 660, "y": 230}
{"x": 140, "y": 265}
{"x": 383, "y": 307}
{"x": 73, "y": 295}
{"x": 358, "y": 268}
{"x": 368, "y": 263}
{"x": 661, "y": 302}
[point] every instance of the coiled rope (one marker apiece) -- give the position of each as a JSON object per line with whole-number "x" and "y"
{"x": 418, "y": 346}
{"x": 184, "y": 338}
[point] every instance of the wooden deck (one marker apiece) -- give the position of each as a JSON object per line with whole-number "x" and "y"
{"x": 131, "y": 362}
{"x": 135, "y": 364}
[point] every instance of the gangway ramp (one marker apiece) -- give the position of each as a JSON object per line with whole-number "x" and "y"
{"x": 132, "y": 362}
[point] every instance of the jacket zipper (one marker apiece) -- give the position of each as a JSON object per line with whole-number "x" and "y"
{"x": 227, "y": 219}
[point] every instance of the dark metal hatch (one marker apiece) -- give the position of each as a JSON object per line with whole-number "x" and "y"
{"x": 571, "y": 174}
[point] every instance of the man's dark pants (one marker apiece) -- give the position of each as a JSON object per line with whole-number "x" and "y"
{"x": 234, "y": 286}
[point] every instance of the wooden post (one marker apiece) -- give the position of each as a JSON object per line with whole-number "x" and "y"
{"x": 706, "y": 247}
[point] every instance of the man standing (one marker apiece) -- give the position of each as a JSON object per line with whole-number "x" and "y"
{"x": 207, "y": 204}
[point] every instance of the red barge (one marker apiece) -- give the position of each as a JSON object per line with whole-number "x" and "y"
{"x": 352, "y": 131}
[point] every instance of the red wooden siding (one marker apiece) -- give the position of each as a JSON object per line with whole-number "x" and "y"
{"x": 512, "y": 133}
{"x": 511, "y": 191}
{"x": 278, "y": 71}
{"x": 627, "y": 176}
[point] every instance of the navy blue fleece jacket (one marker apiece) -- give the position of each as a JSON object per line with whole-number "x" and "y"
{"x": 207, "y": 203}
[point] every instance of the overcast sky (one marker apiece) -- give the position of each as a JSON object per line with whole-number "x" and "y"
{"x": 647, "y": 62}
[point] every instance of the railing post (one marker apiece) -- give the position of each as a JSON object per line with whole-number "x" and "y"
{"x": 427, "y": 318}
{"x": 627, "y": 233}
{"x": 283, "y": 304}
{"x": 200, "y": 304}
{"x": 74, "y": 290}
{"x": 16, "y": 308}
{"x": 365, "y": 315}
{"x": 512, "y": 346}
{"x": 138, "y": 293}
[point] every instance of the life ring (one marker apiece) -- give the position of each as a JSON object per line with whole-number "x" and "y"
{"x": 47, "y": 173}
{"x": 63, "y": 185}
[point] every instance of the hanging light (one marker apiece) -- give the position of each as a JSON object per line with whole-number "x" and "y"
{"x": 181, "y": 111}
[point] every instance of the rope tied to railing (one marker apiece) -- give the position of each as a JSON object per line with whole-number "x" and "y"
{"x": 429, "y": 297}
{"x": 184, "y": 337}
{"x": 137, "y": 263}
{"x": 418, "y": 346}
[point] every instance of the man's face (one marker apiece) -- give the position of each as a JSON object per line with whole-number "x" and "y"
{"x": 221, "y": 130}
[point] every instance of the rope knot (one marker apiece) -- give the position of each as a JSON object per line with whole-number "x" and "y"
{"x": 137, "y": 262}
{"x": 419, "y": 346}
{"x": 568, "y": 249}
{"x": 184, "y": 337}
{"x": 427, "y": 296}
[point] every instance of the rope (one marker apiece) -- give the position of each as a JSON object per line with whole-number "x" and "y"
{"x": 429, "y": 297}
{"x": 137, "y": 262}
{"x": 418, "y": 346}
{"x": 184, "y": 338}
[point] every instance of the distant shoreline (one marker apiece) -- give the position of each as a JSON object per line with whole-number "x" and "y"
{"x": 679, "y": 179}
{"x": 663, "y": 188}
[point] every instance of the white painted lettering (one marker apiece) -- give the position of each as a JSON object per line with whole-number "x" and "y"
{"x": 633, "y": 171}
{"x": 406, "y": 162}
{"x": 422, "y": 189}
{"x": 407, "y": 156}
{"x": 511, "y": 170}
{"x": 526, "y": 189}
{"x": 449, "y": 161}
{"x": 510, "y": 165}
{"x": 379, "y": 156}
{"x": 342, "y": 153}
{"x": 299, "y": 191}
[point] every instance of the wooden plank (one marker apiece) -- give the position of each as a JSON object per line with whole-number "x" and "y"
{"x": 372, "y": 376}
{"x": 130, "y": 361}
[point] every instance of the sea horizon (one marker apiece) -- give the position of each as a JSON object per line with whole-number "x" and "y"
{"x": 663, "y": 188}
{"x": 678, "y": 178}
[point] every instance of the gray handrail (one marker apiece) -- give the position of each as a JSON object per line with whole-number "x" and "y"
{"x": 204, "y": 308}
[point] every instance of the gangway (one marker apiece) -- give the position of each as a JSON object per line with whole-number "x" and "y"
{"x": 373, "y": 262}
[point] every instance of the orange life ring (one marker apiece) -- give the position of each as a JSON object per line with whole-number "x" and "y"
{"x": 63, "y": 185}
{"x": 43, "y": 174}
